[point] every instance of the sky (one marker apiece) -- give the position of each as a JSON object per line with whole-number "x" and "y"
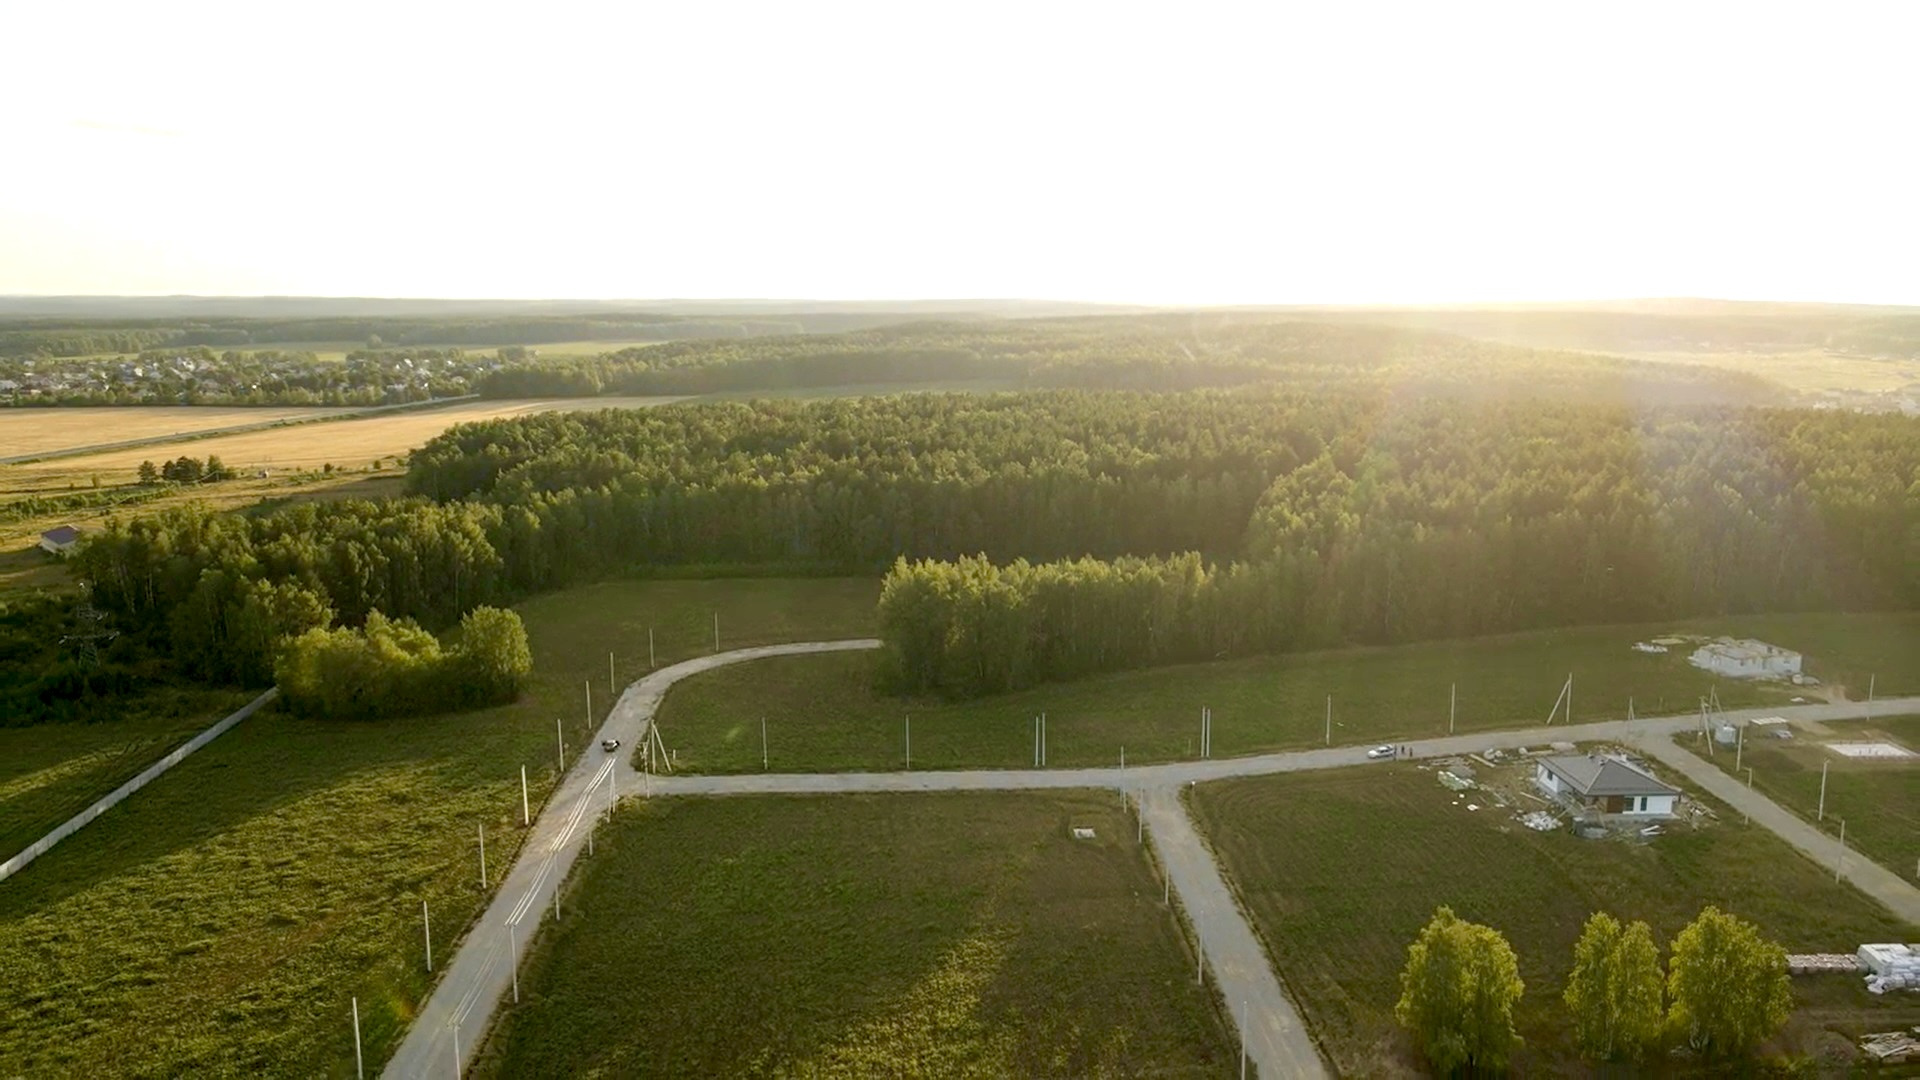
{"x": 1172, "y": 153}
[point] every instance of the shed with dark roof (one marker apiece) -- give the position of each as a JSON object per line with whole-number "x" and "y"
{"x": 60, "y": 541}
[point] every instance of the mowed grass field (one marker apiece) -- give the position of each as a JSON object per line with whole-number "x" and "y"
{"x": 39, "y": 431}
{"x": 1339, "y": 870}
{"x": 217, "y": 923}
{"x": 825, "y": 713}
{"x": 50, "y": 772}
{"x": 351, "y": 442}
{"x": 1878, "y": 800}
{"x": 953, "y": 934}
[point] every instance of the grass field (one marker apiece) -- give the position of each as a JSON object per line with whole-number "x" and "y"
{"x": 1879, "y": 800}
{"x": 50, "y": 772}
{"x": 823, "y": 712}
{"x": 1340, "y": 869}
{"x": 870, "y": 935}
{"x": 1803, "y": 369}
{"x": 217, "y": 923}
{"x": 40, "y": 431}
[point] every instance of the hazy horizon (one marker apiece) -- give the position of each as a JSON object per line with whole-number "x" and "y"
{"x": 1364, "y": 156}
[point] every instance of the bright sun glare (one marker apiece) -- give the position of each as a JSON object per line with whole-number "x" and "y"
{"x": 1323, "y": 153}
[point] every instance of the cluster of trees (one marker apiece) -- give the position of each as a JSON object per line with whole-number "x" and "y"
{"x": 1453, "y": 521}
{"x": 390, "y": 668}
{"x": 1172, "y": 527}
{"x": 185, "y": 470}
{"x": 1166, "y": 352}
{"x": 1724, "y": 994}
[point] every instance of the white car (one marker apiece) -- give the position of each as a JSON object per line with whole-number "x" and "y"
{"x": 609, "y": 745}
{"x": 1379, "y": 752}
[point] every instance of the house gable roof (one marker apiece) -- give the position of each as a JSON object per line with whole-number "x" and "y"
{"x": 65, "y": 534}
{"x": 1594, "y": 776}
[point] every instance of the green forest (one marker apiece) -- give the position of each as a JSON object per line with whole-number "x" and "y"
{"x": 1047, "y": 534}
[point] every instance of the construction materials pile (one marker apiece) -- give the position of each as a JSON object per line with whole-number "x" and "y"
{"x": 1890, "y": 967}
{"x": 1821, "y": 963}
{"x": 1893, "y": 1047}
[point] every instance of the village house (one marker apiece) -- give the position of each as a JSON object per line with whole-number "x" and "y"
{"x": 60, "y": 541}
{"x": 1595, "y": 784}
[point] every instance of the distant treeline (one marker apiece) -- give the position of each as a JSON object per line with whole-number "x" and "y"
{"x": 1135, "y": 352}
{"x": 1734, "y": 328}
{"x": 1363, "y": 514}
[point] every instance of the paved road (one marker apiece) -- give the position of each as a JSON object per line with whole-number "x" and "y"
{"x": 1176, "y": 774}
{"x": 456, "y": 1016}
{"x": 1276, "y": 1039}
{"x": 1899, "y": 896}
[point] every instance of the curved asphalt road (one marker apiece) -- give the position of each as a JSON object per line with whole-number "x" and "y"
{"x": 457, "y": 1015}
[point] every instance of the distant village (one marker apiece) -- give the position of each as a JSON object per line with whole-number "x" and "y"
{"x": 202, "y": 376}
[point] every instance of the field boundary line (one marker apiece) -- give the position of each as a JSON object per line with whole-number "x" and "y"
{"x": 146, "y": 776}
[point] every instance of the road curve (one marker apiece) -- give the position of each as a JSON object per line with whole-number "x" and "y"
{"x": 455, "y": 1017}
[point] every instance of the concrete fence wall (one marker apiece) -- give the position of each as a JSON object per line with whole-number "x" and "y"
{"x": 147, "y": 775}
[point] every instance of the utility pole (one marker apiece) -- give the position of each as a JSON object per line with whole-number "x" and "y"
{"x": 716, "y": 631}
{"x": 359, "y": 1065}
{"x": 513, "y": 961}
{"x": 483, "y": 856}
{"x": 650, "y": 661}
{"x": 909, "y": 743}
{"x": 589, "y": 685}
{"x": 763, "y": 744}
{"x": 1329, "y": 719}
{"x": 560, "y": 738}
{"x": 1841, "y": 862}
{"x": 610, "y": 687}
{"x": 1739, "y": 745}
{"x": 1822, "y": 816}
{"x": 1243, "y": 1040}
{"x": 526, "y": 813}
{"x": 426, "y": 924}
{"x": 1453, "y": 704}
{"x": 1870, "y": 680}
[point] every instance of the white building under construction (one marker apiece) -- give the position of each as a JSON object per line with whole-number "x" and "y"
{"x": 1746, "y": 658}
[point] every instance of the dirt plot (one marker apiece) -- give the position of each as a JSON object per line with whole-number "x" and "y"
{"x": 40, "y": 431}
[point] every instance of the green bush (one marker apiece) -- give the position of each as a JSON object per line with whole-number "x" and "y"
{"x": 394, "y": 668}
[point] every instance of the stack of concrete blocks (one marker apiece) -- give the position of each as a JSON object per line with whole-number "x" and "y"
{"x": 1891, "y": 967}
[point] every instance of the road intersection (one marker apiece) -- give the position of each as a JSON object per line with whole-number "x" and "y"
{"x": 457, "y": 1014}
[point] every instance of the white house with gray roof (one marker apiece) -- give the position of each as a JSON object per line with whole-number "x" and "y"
{"x": 1605, "y": 785}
